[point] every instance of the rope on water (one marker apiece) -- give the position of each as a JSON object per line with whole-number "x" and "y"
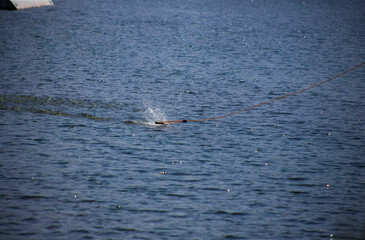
{"x": 257, "y": 105}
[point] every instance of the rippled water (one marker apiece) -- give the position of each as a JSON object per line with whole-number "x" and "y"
{"x": 83, "y": 82}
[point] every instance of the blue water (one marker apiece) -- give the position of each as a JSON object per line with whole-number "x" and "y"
{"x": 82, "y": 83}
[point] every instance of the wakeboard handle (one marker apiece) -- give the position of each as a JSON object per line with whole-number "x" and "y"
{"x": 169, "y": 122}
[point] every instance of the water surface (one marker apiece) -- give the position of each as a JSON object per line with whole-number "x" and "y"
{"x": 83, "y": 82}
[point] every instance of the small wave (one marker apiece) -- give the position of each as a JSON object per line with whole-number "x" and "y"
{"x": 32, "y": 197}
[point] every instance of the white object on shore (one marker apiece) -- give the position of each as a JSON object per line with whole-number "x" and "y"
{"x": 22, "y": 4}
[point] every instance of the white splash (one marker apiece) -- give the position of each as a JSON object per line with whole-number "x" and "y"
{"x": 153, "y": 114}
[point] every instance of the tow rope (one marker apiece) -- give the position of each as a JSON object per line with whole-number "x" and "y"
{"x": 257, "y": 105}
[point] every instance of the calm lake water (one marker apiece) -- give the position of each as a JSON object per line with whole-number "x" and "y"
{"x": 82, "y": 83}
